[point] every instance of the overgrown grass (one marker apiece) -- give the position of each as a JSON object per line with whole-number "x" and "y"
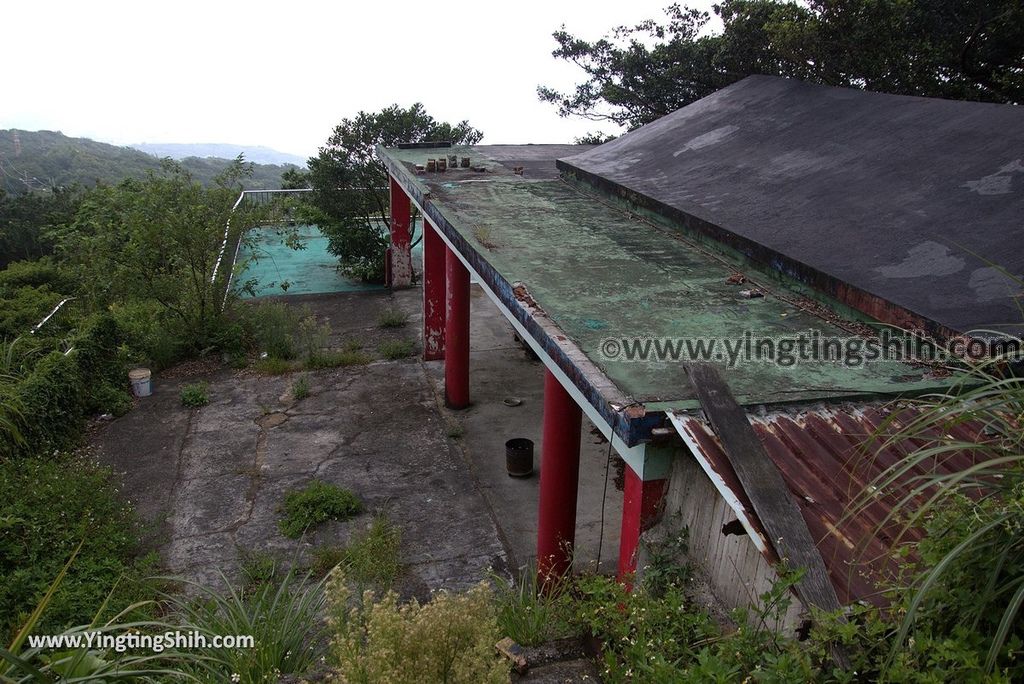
{"x": 195, "y": 395}
{"x": 272, "y": 365}
{"x": 531, "y": 616}
{"x": 324, "y": 557}
{"x": 397, "y": 349}
{"x": 314, "y": 504}
{"x": 392, "y": 318}
{"x": 971, "y": 569}
{"x": 273, "y": 327}
{"x": 258, "y": 568}
{"x": 283, "y": 617}
{"x": 372, "y": 558}
{"x": 300, "y": 388}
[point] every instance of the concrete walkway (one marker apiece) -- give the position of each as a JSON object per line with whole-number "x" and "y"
{"x": 210, "y": 480}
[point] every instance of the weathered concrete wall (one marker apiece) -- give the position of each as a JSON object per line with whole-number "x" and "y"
{"x": 734, "y": 569}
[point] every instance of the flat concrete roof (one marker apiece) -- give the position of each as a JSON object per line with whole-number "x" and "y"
{"x": 905, "y": 207}
{"x": 575, "y": 268}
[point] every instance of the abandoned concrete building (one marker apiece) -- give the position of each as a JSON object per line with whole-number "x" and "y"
{"x": 770, "y": 210}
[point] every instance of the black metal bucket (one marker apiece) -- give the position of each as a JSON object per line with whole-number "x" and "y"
{"x": 519, "y": 457}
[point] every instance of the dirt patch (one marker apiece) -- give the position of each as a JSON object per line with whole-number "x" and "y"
{"x": 272, "y": 420}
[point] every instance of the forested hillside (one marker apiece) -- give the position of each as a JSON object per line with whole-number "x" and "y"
{"x": 254, "y": 153}
{"x": 40, "y": 160}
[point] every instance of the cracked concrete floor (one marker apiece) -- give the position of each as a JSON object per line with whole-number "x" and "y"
{"x": 209, "y": 480}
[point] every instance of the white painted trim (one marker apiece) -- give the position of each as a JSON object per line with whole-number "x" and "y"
{"x": 723, "y": 489}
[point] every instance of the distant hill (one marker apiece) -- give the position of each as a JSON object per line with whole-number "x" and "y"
{"x": 44, "y": 159}
{"x": 257, "y": 153}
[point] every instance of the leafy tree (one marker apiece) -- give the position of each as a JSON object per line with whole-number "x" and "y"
{"x": 350, "y": 198}
{"x": 160, "y": 239}
{"x": 593, "y": 138}
{"x": 295, "y": 179}
{"x": 967, "y": 50}
{"x": 27, "y": 222}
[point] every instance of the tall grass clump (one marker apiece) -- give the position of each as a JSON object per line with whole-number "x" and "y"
{"x": 970, "y": 572}
{"x": 284, "y": 619}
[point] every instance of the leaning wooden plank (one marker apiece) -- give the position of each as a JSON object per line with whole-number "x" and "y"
{"x": 770, "y": 497}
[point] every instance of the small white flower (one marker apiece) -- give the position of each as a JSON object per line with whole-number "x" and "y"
{"x": 235, "y": 677}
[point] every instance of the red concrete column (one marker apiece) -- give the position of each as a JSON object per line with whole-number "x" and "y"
{"x": 456, "y": 333}
{"x": 434, "y": 259}
{"x": 559, "y": 481}
{"x": 400, "y": 271}
{"x": 641, "y": 503}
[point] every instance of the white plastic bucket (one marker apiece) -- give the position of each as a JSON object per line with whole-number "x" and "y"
{"x": 141, "y": 382}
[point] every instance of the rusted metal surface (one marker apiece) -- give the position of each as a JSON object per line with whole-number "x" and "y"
{"x": 829, "y": 457}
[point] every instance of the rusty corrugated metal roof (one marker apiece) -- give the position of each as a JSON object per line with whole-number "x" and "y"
{"x": 828, "y": 457}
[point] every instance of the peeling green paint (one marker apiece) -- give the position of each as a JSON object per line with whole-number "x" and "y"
{"x": 599, "y": 271}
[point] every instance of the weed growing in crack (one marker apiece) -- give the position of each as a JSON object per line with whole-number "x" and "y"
{"x": 300, "y": 390}
{"x": 315, "y": 504}
{"x": 195, "y": 395}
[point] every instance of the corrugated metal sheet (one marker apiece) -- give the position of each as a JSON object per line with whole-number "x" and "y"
{"x": 828, "y": 458}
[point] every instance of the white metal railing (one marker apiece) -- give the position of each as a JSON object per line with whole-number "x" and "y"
{"x": 224, "y": 243}
{"x": 40, "y": 324}
{"x": 227, "y": 228}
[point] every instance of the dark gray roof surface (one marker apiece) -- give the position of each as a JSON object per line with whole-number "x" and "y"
{"x": 917, "y": 202}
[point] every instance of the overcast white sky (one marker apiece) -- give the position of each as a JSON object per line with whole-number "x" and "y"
{"x": 282, "y": 74}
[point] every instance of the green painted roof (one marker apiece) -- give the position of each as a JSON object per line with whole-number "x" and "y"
{"x": 599, "y": 271}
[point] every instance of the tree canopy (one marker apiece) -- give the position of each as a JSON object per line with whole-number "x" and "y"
{"x": 350, "y": 196}
{"x": 965, "y": 50}
{"x": 38, "y": 161}
{"x": 158, "y": 239}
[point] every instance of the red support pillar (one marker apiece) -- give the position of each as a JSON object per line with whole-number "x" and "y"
{"x": 456, "y": 333}
{"x": 559, "y": 481}
{"x": 434, "y": 259}
{"x": 400, "y": 264}
{"x": 641, "y": 503}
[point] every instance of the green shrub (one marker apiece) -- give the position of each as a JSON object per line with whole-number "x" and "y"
{"x": 53, "y": 398}
{"x": 24, "y": 307}
{"x": 100, "y": 362}
{"x": 153, "y": 338}
{"x": 273, "y": 327}
{"x": 113, "y": 400}
{"x": 300, "y": 390}
{"x": 392, "y": 318}
{"x": 450, "y": 639}
{"x": 651, "y": 637}
{"x": 316, "y": 503}
{"x": 23, "y": 662}
{"x": 41, "y": 273}
{"x": 274, "y": 366}
{"x": 195, "y": 395}
{"x": 47, "y": 507}
{"x": 397, "y": 349}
